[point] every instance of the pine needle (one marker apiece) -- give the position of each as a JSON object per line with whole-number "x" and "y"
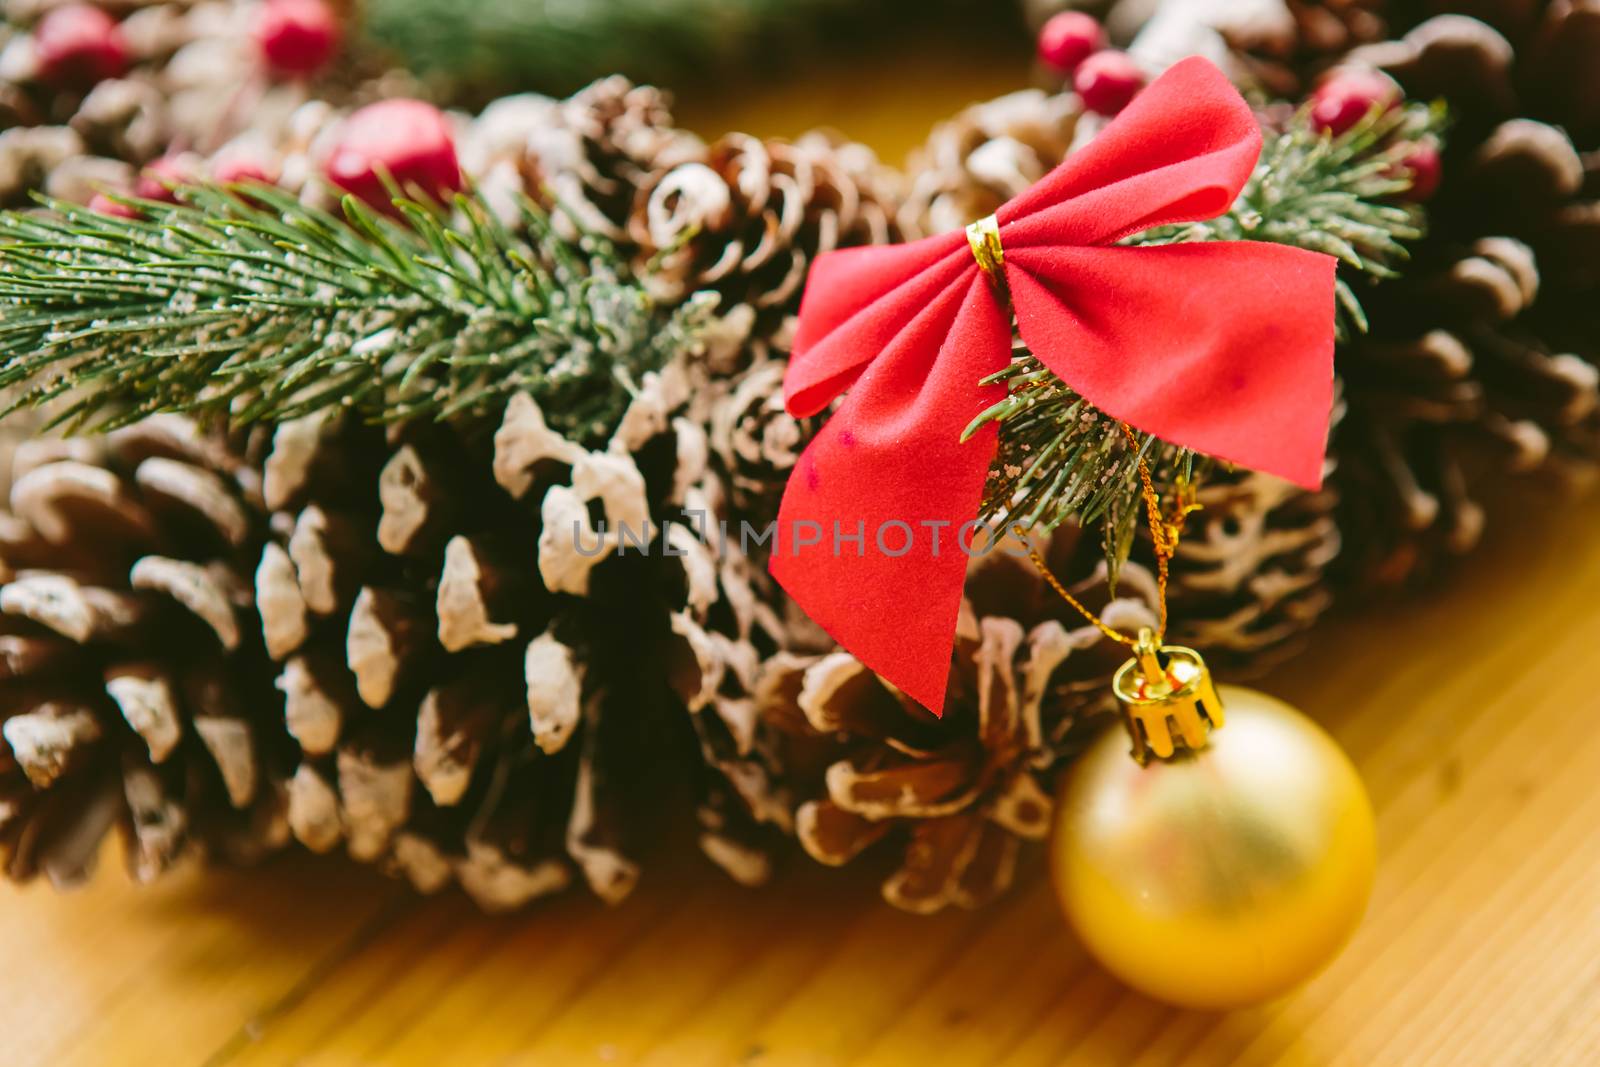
{"x": 246, "y": 303}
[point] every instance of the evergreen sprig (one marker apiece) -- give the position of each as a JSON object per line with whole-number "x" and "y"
{"x": 1060, "y": 458}
{"x": 246, "y": 302}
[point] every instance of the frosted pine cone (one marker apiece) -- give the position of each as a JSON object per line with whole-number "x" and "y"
{"x": 140, "y": 695}
{"x": 626, "y": 137}
{"x": 953, "y": 799}
{"x": 1252, "y": 571}
{"x": 490, "y": 642}
{"x": 746, "y": 219}
{"x": 756, "y": 442}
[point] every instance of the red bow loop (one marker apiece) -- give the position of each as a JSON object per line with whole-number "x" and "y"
{"x": 847, "y": 315}
{"x": 1225, "y": 347}
{"x": 1181, "y": 152}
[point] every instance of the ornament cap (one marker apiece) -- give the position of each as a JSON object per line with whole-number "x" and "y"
{"x": 1169, "y": 698}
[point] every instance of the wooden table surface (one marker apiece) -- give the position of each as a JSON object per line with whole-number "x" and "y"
{"x": 1470, "y": 713}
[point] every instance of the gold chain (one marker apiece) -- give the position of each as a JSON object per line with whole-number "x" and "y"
{"x": 1164, "y": 536}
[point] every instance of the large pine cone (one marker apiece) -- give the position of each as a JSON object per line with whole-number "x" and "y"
{"x": 490, "y": 643}
{"x": 1250, "y": 576}
{"x": 139, "y": 695}
{"x": 949, "y": 801}
{"x": 1482, "y": 359}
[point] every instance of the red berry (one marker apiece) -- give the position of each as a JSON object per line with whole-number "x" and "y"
{"x": 157, "y": 179}
{"x": 1108, "y": 81}
{"x": 1068, "y": 39}
{"x": 104, "y": 205}
{"x": 1423, "y": 165}
{"x": 79, "y": 45}
{"x": 232, "y": 170}
{"x": 1349, "y": 96}
{"x": 408, "y": 138}
{"x": 297, "y": 37}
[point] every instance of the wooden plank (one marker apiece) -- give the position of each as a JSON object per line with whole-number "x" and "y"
{"x": 165, "y": 974}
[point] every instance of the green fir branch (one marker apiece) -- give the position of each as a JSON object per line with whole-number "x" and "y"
{"x": 1062, "y": 459}
{"x": 248, "y": 303}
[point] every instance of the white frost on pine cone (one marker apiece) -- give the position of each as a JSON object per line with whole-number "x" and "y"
{"x": 554, "y": 679}
{"x": 524, "y": 443}
{"x": 570, "y": 545}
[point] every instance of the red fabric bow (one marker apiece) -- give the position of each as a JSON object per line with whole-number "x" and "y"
{"x": 1224, "y": 347}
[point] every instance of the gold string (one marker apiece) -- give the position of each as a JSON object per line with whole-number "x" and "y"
{"x": 1164, "y": 537}
{"x": 1061, "y": 590}
{"x": 983, "y": 237}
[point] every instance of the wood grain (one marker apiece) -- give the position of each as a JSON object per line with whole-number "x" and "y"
{"x": 1470, "y": 713}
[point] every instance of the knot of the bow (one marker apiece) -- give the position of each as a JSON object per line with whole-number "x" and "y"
{"x": 984, "y": 238}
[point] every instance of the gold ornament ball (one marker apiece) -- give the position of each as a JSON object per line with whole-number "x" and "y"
{"x": 1221, "y": 878}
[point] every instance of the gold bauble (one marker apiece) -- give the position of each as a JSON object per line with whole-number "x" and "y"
{"x": 1222, "y": 877}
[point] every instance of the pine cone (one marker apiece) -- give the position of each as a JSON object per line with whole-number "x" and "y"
{"x": 1284, "y": 47}
{"x": 139, "y": 695}
{"x": 1251, "y": 574}
{"x": 1482, "y": 358}
{"x": 950, "y": 800}
{"x": 589, "y": 155}
{"x": 984, "y": 156}
{"x": 756, "y": 442}
{"x": 746, "y": 218}
{"x": 472, "y": 711}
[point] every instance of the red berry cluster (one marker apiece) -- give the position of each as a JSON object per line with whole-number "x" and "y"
{"x": 1348, "y": 95}
{"x": 1073, "y": 45}
{"x": 78, "y": 45}
{"x": 405, "y": 142}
